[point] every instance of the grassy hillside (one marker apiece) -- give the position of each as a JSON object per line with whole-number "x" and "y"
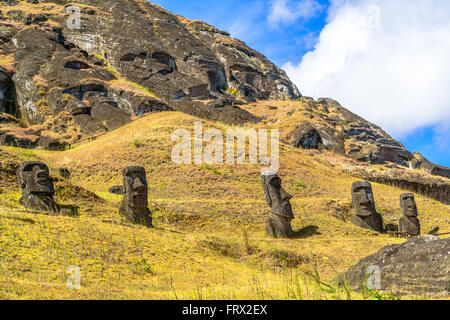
{"x": 209, "y": 240}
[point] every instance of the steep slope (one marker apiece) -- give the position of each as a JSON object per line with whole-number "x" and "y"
{"x": 128, "y": 58}
{"x": 326, "y": 125}
{"x": 209, "y": 224}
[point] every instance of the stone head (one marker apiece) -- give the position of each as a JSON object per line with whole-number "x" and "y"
{"x": 408, "y": 205}
{"x": 363, "y": 200}
{"x": 34, "y": 178}
{"x": 277, "y": 198}
{"x": 135, "y": 187}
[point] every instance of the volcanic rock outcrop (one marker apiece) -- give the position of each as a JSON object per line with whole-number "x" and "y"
{"x": 437, "y": 188}
{"x": 37, "y": 187}
{"x": 410, "y": 222}
{"x": 332, "y": 127}
{"x": 134, "y": 206}
{"x": 420, "y": 162}
{"x": 127, "y": 59}
{"x": 366, "y": 215}
{"x": 418, "y": 266}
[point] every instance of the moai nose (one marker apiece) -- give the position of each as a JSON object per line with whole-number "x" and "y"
{"x": 137, "y": 183}
{"x": 364, "y": 196}
{"x": 39, "y": 172}
{"x": 285, "y": 196}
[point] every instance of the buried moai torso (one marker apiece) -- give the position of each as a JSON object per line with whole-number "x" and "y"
{"x": 409, "y": 223}
{"x": 279, "y": 222}
{"x": 37, "y": 187}
{"x": 135, "y": 202}
{"x": 366, "y": 215}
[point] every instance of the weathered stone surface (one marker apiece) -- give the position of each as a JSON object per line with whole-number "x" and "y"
{"x": 366, "y": 215}
{"x": 437, "y": 188}
{"x": 409, "y": 223}
{"x": 130, "y": 58}
{"x": 345, "y": 133}
{"x": 420, "y": 161}
{"x": 37, "y": 188}
{"x": 118, "y": 190}
{"x": 279, "y": 221}
{"x": 241, "y": 68}
{"x": 421, "y": 265}
{"x": 135, "y": 203}
{"x": 18, "y": 138}
{"x": 306, "y": 137}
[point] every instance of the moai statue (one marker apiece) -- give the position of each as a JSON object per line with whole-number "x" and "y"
{"x": 366, "y": 215}
{"x": 409, "y": 223}
{"x": 37, "y": 187}
{"x": 279, "y": 223}
{"x": 135, "y": 202}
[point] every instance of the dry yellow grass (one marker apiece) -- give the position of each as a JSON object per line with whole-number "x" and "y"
{"x": 209, "y": 240}
{"x": 7, "y": 62}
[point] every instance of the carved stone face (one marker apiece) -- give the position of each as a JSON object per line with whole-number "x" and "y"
{"x": 408, "y": 205}
{"x": 276, "y": 197}
{"x": 135, "y": 187}
{"x": 363, "y": 199}
{"x": 34, "y": 178}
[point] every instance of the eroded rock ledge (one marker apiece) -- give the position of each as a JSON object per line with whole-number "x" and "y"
{"x": 129, "y": 58}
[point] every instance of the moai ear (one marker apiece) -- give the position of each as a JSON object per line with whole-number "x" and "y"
{"x": 20, "y": 179}
{"x": 266, "y": 189}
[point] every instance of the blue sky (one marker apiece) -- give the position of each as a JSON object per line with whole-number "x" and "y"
{"x": 247, "y": 20}
{"x": 384, "y": 73}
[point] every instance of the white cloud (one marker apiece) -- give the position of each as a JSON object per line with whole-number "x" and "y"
{"x": 388, "y": 61}
{"x": 287, "y": 11}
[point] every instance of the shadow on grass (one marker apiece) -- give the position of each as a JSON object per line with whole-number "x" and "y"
{"x": 306, "y": 232}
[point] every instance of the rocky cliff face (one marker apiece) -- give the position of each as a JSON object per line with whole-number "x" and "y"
{"x": 128, "y": 58}
{"x": 333, "y": 127}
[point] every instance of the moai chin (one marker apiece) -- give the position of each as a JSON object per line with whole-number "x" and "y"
{"x": 279, "y": 223}
{"x": 135, "y": 202}
{"x": 37, "y": 187}
{"x": 409, "y": 223}
{"x": 366, "y": 215}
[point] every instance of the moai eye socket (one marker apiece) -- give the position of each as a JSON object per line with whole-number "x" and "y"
{"x": 275, "y": 182}
{"x": 406, "y": 198}
{"x": 29, "y": 168}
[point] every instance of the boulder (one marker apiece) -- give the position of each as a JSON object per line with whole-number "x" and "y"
{"x": 110, "y": 116}
{"x": 18, "y": 138}
{"x": 419, "y": 267}
{"x": 306, "y": 137}
{"x": 117, "y": 190}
